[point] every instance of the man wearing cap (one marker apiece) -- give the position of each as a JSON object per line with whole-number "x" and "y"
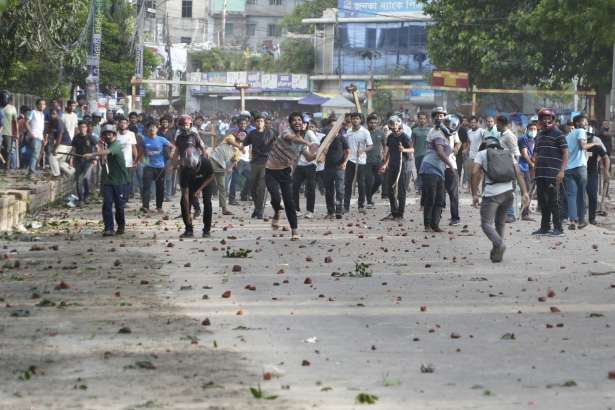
{"x": 114, "y": 180}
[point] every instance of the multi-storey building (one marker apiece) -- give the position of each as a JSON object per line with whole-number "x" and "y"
{"x": 253, "y": 24}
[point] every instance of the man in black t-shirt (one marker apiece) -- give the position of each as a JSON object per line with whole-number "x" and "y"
{"x": 185, "y": 141}
{"x": 83, "y": 143}
{"x": 199, "y": 174}
{"x": 398, "y": 151}
{"x": 335, "y": 159}
{"x": 261, "y": 141}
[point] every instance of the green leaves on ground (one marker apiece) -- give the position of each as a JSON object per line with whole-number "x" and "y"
{"x": 366, "y": 398}
{"x": 258, "y": 393}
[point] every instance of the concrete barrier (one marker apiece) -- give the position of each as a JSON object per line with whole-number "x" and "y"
{"x": 20, "y": 196}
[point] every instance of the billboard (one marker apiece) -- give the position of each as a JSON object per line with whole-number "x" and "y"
{"x": 368, "y": 8}
{"x": 232, "y": 6}
{"x": 258, "y": 81}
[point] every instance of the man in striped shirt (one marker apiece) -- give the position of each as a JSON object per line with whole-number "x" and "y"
{"x": 282, "y": 158}
{"x": 551, "y": 158}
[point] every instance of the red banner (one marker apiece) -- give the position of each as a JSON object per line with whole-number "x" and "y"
{"x": 450, "y": 79}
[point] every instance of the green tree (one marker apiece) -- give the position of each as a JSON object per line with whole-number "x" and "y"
{"x": 513, "y": 43}
{"x": 41, "y": 45}
{"x": 296, "y": 55}
{"x": 308, "y": 9}
{"x": 117, "y": 61}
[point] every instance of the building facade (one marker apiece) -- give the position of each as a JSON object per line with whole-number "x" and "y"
{"x": 253, "y": 24}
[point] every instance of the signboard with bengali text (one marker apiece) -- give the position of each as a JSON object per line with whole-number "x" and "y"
{"x": 368, "y": 8}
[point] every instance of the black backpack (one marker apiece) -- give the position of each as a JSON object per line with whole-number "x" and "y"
{"x": 500, "y": 165}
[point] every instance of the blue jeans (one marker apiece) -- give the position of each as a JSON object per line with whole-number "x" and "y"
{"x": 114, "y": 195}
{"x": 36, "y": 152}
{"x": 576, "y": 185}
{"x": 241, "y": 170}
{"x": 334, "y": 190}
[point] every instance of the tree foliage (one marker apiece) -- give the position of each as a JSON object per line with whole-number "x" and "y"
{"x": 512, "y": 43}
{"x": 308, "y": 9}
{"x": 43, "y": 46}
{"x": 296, "y": 56}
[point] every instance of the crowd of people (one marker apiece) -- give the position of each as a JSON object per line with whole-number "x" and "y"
{"x": 258, "y": 155}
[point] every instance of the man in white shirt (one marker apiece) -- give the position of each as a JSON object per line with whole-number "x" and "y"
{"x": 359, "y": 141}
{"x": 305, "y": 171}
{"x": 10, "y": 149}
{"x": 476, "y": 136}
{"x": 36, "y": 130}
{"x": 70, "y": 119}
{"x": 128, "y": 141}
{"x": 497, "y": 199}
{"x": 508, "y": 140}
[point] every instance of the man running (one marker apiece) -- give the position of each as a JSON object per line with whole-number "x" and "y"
{"x": 282, "y": 157}
{"x": 498, "y": 193}
{"x": 399, "y": 147}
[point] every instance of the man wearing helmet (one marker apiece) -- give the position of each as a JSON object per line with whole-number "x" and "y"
{"x": 399, "y": 147}
{"x": 198, "y": 175}
{"x": 114, "y": 179}
{"x": 550, "y": 159}
{"x": 186, "y": 138}
{"x": 437, "y": 157}
{"x": 451, "y": 175}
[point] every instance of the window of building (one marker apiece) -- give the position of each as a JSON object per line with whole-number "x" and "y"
{"x": 229, "y": 28}
{"x": 251, "y": 30}
{"x": 273, "y": 30}
{"x": 186, "y": 8}
{"x": 150, "y": 4}
{"x": 275, "y": 2}
{"x": 185, "y": 40}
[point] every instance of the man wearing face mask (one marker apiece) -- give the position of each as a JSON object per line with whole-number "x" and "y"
{"x": 526, "y": 164}
{"x": 114, "y": 180}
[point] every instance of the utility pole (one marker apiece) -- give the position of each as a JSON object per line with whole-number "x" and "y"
{"x": 93, "y": 60}
{"x": 612, "y": 101}
{"x": 338, "y": 40}
{"x": 139, "y": 52}
{"x": 223, "y": 30}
